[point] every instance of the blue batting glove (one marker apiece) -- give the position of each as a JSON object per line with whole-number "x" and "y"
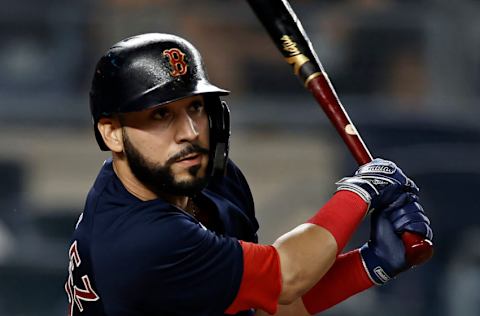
{"x": 379, "y": 183}
{"x": 384, "y": 254}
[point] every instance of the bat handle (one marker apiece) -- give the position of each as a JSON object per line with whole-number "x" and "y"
{"x": 418, "y": 249}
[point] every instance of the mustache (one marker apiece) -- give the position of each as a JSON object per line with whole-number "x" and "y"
{"x": 191, "y": 149}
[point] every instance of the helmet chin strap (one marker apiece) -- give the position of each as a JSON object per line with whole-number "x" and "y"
{"x": 219, "y": 119}
{"x": 219, "y": 160}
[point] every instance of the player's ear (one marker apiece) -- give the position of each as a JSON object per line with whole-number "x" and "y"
{"x": 111, "y": 131}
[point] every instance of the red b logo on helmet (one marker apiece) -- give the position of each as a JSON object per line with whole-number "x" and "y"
{"x": 177, "y": 60}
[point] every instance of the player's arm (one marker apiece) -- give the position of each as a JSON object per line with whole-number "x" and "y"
{"x": 284, "y": 272}
{"x": 375, "y": 263}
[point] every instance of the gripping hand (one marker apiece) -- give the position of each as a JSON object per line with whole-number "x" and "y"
{"x": 384, "y": 254}
{"x": 379, "y": 183}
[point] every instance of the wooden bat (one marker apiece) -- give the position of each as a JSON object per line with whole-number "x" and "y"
{"x": 287, "y": 33}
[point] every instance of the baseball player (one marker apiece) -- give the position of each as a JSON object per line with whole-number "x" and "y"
{"x": 169, "y": 225}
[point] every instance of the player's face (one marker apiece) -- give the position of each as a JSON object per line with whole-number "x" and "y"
{"x": 167, "y": 147}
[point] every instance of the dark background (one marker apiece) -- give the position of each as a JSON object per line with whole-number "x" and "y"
{"x": 408, "y": 73}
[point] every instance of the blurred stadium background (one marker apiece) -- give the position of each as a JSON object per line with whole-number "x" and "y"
{"x": 407, "y": 71}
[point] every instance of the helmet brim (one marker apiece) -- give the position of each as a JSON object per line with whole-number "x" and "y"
{"x": 158, "y": 96}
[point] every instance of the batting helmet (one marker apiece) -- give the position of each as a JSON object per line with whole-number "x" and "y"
{"x": 154, "y": 69}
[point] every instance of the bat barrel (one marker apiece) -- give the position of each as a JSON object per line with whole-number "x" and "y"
{"x": 324, "y": 93}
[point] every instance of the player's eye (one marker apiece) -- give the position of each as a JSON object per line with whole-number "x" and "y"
{"x": 196, "y": 106}
{"x": 161, "y": 114}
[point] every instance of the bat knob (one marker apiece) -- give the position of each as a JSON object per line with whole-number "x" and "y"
{"x": 418, "y": 250}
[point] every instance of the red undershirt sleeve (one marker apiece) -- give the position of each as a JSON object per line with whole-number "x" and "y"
{"x": 347, "y": 277}
{"x": 261, "y": 280}
{"x": 341, "y": 216}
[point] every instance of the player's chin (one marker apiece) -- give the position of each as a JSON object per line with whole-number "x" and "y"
{"x": 190, "y": 172}
{"x": 191, "y": 181}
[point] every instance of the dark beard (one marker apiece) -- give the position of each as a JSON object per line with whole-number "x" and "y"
{"x": 159, "y": 178}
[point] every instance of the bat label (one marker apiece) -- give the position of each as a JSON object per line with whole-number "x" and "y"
{"x": 296, "y": 59}
{"x": 289, "y": 45}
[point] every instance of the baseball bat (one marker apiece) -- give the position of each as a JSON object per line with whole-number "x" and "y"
{"x": 288, "y": 34}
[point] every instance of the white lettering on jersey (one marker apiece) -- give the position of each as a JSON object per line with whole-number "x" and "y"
{"x": 75, "y": 293}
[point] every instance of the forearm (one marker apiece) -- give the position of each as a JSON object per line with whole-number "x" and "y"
{"x": 331, "y": 289}
{"x": 306, "y": 253}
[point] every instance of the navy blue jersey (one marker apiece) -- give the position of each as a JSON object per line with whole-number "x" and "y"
{"x": 133, "y": 257}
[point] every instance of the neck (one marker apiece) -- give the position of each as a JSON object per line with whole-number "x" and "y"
{"x": 139, "y": 190}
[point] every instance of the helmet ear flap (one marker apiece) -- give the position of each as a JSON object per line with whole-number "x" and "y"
{"x": 219, "y": 119}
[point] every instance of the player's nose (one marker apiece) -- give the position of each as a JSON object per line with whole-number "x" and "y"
{"x": 186, "y": 129}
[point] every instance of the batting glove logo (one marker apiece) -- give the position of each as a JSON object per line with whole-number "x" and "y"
{"x": 378, "y": 166}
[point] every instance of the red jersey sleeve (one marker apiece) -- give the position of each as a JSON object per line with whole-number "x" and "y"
{"x": 261, "y": 280}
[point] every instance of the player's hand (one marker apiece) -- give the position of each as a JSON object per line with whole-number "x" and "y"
{"x": 384, "y": 253}
{"x": 379, "y": 183}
